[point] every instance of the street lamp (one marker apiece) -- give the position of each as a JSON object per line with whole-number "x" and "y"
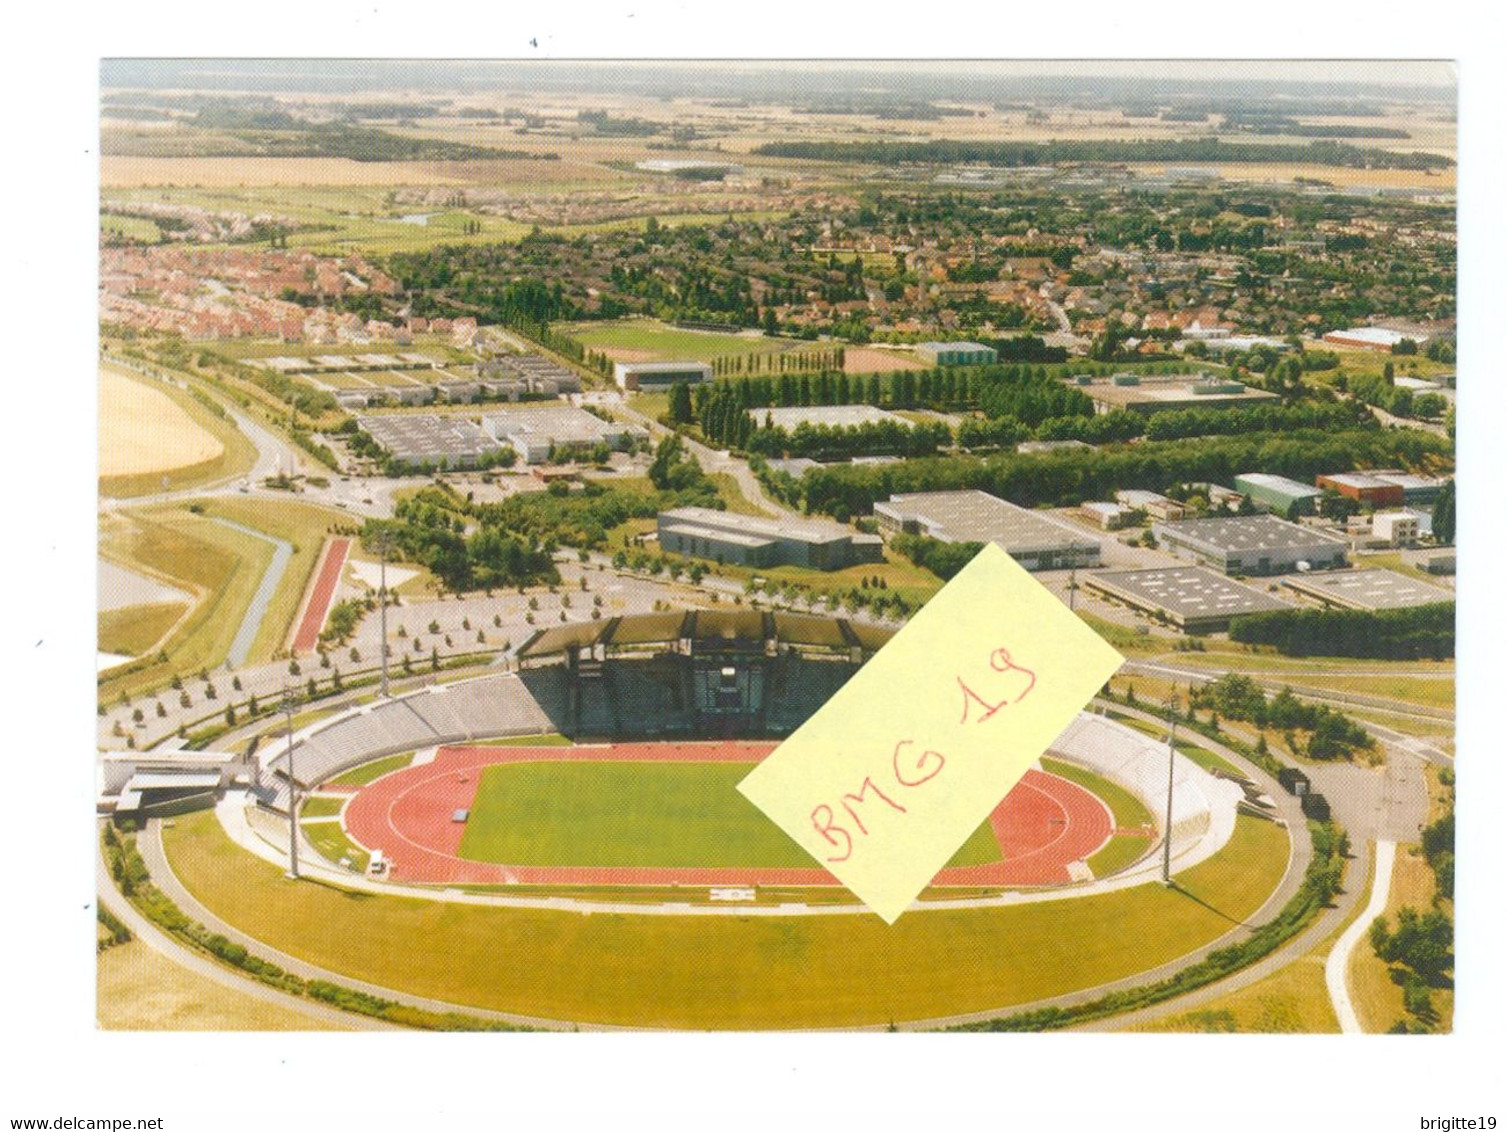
{"x": 289, "y": 702}
{"x": 382, "y": 602}
{"x": 1171, "y": 705}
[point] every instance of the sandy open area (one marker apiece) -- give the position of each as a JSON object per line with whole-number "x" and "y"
{"x": 142, "y": 429}
{"x": 863, "y": 359}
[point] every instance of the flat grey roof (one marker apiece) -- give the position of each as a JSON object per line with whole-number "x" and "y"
{"x": 1370, "y": 589}
{"x": 1186, "y": 592}
{"x": 702, "y": 530}
{"x": 753, "y": 527}
{"x": 560, "y": 424}
{"x": 159, "y": 780}
{"x": 791, "y": 417}
{"x": 421, "y": 435}
{"x": 977, "y": 516}
{"x": 1245, "y": 533}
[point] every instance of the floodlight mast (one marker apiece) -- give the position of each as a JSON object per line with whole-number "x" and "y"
{"x": 382, "y": 602}
{"x": 289, "y": 702}
{"x": 1171, "y": 755}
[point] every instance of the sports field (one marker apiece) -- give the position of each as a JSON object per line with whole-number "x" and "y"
{"x": 658, "y": 815}
{"x": 665, "y": 814}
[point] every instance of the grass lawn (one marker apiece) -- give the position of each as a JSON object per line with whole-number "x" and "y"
{"x": 333, "y": 844}
{"x": 1121, "y": 851}
{"x": 729, "y": 971}
{"x": 370, "y": 772}
{"x": 237, "y": 457}
{"x": 1127, "y": 809}
{"x": 663, "y": 815}
{"x": 138, "y": 989}
{"x": 658, "y": 341}
{"x": 1375, "y": 986}
{"x": 321, "y": 807}
{"x": 134, "y": 629}
{"x": 1294, "y": 1000}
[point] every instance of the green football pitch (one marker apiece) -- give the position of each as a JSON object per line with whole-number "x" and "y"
{"x": 655, "y": 815}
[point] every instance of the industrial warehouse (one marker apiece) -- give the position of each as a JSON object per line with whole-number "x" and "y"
{"x": 1035, "y": 542}
{"x": 554, "y": 432}
{"x": 421, "y": 439}
{"x": 1258, "y": 544}
{"x": 1369, "y": 590}
{"x": 1194, "y": 598}
{"x": 1138, "y": 394}
{"x": 1278, "y": 493}
{"x": 746, "y": 540}
{"x": 644, "y": 376}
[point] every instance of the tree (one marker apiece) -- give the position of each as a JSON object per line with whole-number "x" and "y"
{"x": 1444, "y": 514}
{"x": 680, "y": 403}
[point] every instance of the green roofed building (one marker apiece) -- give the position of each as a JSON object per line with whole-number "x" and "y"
{"x": 1278, "y": 493}
{"x": 957, "y": 353}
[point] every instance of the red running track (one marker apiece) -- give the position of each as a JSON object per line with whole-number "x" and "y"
{"x": 319, "y": 601}
{"x": 1042, "y": 826}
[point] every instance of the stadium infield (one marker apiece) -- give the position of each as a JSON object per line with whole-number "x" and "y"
{"x": 664, "y": 814}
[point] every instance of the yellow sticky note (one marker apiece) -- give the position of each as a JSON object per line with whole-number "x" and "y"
{"x": 886, "y": 781}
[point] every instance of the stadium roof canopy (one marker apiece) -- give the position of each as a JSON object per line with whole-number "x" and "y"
{"x": 740, "y": 629}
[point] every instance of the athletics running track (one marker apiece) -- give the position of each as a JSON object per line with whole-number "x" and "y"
{"x": 1042, "y": 826}
{"x": 319, "y": 598}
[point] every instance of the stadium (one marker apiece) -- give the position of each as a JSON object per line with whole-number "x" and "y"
{"x": 581, "y": 804}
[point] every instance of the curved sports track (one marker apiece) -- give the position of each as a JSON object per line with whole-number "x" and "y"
{"x": 1042, "y": 827}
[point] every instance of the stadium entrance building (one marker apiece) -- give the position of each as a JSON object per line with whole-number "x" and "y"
{"x": 693, "y": 674}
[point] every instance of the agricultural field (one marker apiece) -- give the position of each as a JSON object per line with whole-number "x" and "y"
{"x": 156, "y": 437}
{"x": 138, "y": 989}
{"x": 723, "y": 971}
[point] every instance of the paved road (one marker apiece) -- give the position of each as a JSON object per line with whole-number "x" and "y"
{"x": 1356, "y": 699}
{"x": 713, "y": 461}
{"x": 1367, "y": 803}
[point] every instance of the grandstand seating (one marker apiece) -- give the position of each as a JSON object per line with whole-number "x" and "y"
{"x": 492, "y": 705}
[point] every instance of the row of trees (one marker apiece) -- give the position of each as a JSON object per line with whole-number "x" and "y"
{"x": 1069, "y": 478}
{"x": 1332, "y": 734}
{"x": 1422, "y": 632}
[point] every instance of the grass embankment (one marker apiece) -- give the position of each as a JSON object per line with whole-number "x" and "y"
{"x": 321, "y": 807}
{"x": 306, "y": 527}
{"x": 1375, "y": 986}
{"x": 220, "y": 566}
{"x": 730, "y": 971}
{"x": 237, "y": 455}
{"x": 657, "y": 815}
{"x": 136, "y": 629}
{"x": 1294, "y": 1000}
